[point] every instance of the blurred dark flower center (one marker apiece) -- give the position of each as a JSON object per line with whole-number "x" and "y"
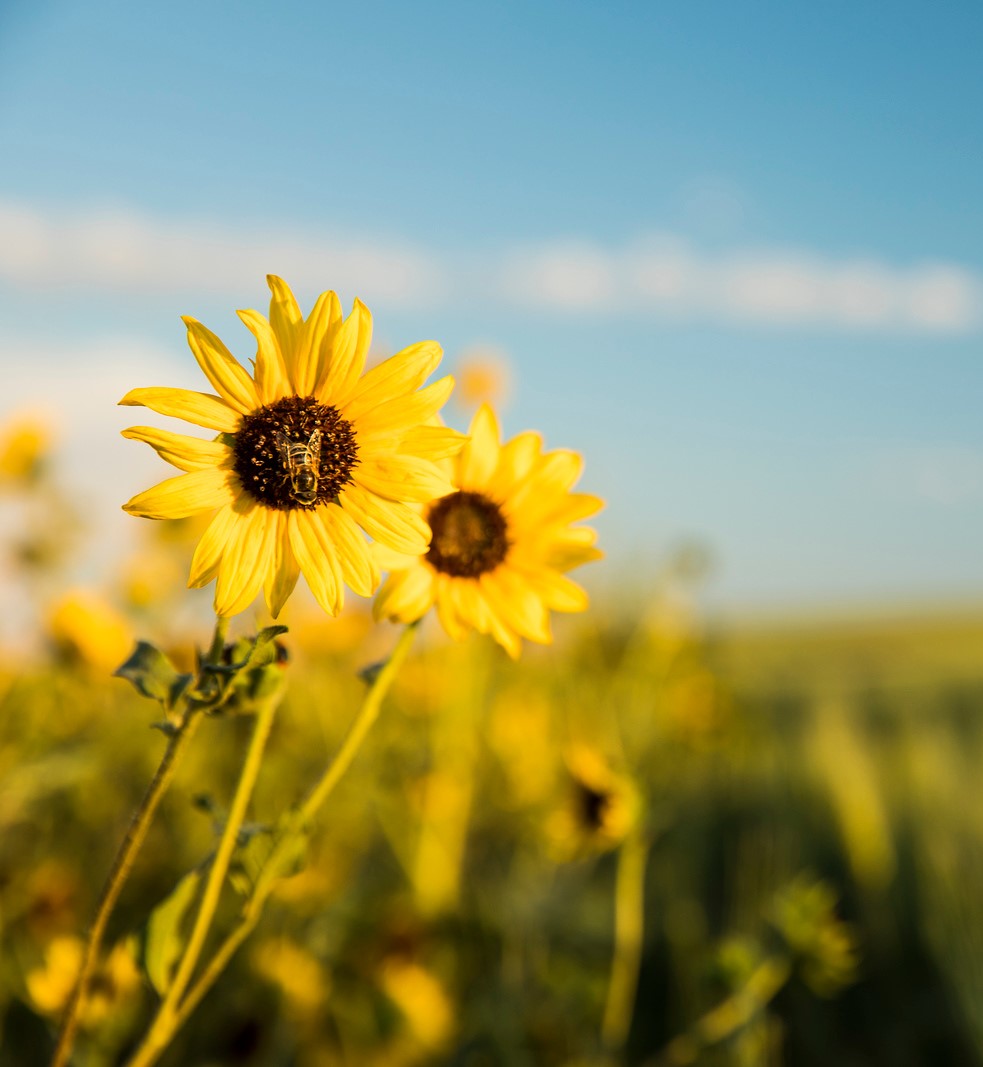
{"x": 468, "y": 535}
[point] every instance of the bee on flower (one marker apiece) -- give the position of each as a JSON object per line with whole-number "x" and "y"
{"x": 311, "y": 454}
{"x": 503, "y": 540}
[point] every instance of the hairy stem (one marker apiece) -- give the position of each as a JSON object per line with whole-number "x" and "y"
{"x": 130, "y": 846}
{"x": 165, "y": 1023}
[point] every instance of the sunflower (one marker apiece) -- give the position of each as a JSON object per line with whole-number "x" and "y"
{"x": 311, "y": 454}
{"x": 501, "y": 542}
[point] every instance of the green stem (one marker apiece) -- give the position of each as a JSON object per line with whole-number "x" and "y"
{"x": 358, "y": 730}
{"x": 165, "y": 1024}
{"x": 723, "y": 1021}
{"x": 629, "y": 932}
{"x": 126, "y": 856}
{"x": 296, "y": 827}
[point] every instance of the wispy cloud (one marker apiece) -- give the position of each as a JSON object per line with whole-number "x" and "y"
{"x": 130, "y": 252}
{"x": 659, "y": 276}
{"x": 668, "y": 276}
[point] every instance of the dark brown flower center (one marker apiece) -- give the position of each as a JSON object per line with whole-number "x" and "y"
{"x": 593, "y": 805}
{"x": 294, "y": 453}
{"x": 468, "y": 535}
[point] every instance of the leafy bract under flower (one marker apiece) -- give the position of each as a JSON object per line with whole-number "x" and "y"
{"x": 312, "y": 454}
{"x": 502, "y": 542}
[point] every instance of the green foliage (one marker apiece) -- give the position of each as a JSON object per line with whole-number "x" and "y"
{"x": 154, "y": 676}
{"x": 166, "y": 933}
{"x": 443, "y": 909}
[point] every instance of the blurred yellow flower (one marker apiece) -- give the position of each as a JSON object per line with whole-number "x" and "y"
{"x": 299, "y": 975}
{"x": 482, "y": 378}
{"x": 24, "y": 445}
{"x": 421, "y": 998}
{"x": 115, "y": 986}
{"x": 87, "y": 629}
{"x": 310, "y": 454}
{"x": 501, "y": 542}
{"x": 598, "y": 809}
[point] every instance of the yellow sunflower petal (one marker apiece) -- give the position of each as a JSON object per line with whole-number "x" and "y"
{"x": 572, "y": 507}
{"x": 208, "y": 552}
{"x": 570, "y": 548}
{"x": 550, "y": 479}
{"x": 282, "y": 575}
{"x": 202, "y": 409}
{"x": 402, "y": 373}
{"x": 388, "y": 559}
{"x": 396, "y": 525}
{"x": 187, "y": 453}
{"x": 285, "y": 319}
{"x": 499, "y": 623}
{"x": 246, "y": 558}
{"x": 311, "y": 340}
{"x": 432, "y": 442}
{"x": 405, "y": 412}
{"x": 470, "y": 604}
{"x": 317, "y": 556}
{"x": 185, "y": 495}
{"x": 358, "y": 566}
{"x": 453, "y": 624}
{"x": 272, "y": 381}
{"x": 516, "y": 460}
{"x": 557, "y": 591}
{"x": 345, "y": 351}
{"x": 405, "y": 478}
{"x": 406, "y": 595}
{"x": 221, "y": 368}
{"x": 516, "y": 601}
{"x": 479, "y": 457}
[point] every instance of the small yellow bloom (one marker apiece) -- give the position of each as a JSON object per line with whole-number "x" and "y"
{"x": 421, "y": 998}
{"x": 89, "y": 630}
{"x": 501, "y": 542}
{"x": 24, "y": 446}
{"x": 598, "y": 810}
{"x": 311, "y": 454}
{"x": 482, "y": 378}
{"x": 114, "y": 987}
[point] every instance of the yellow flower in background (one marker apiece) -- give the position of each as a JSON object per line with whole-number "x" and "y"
{"x": 311, "y": 454}
{"x": 483, "y": 377}
{"x": 86, "y": 629}
{"x": 501, "y": 542}
{"x": 598, "y": 808}
{"x": 24, "y": 446}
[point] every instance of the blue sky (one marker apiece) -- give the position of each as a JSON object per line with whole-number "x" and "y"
{"x": 734, "y": 253}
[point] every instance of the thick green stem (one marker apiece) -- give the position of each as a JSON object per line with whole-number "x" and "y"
{"x": 165, "y": 1023}
{"x": 629, "y": 932}
{"x": 126, "y": 857}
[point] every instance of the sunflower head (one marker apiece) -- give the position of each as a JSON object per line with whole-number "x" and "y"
{"x": 502, "y": 541}
{"x": 312, "y": 454}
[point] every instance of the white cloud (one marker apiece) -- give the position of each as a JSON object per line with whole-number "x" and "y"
{"x": 662, "y": 276}
{"x": 130, "y": 252}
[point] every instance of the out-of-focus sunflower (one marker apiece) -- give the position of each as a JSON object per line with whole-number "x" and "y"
{"x": 597, "y": 810}
{"x": 501, "y": 542}
{"x": 310, "y": 454}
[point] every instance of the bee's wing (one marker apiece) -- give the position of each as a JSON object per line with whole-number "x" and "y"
{"x": 314, "y": 447}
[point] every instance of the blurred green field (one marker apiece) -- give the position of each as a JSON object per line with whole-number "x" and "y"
{"x": 458, "y": 908}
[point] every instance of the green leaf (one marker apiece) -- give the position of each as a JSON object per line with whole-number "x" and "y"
{"x": 164, "y": 940}
{"x": 153, "y": 675}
